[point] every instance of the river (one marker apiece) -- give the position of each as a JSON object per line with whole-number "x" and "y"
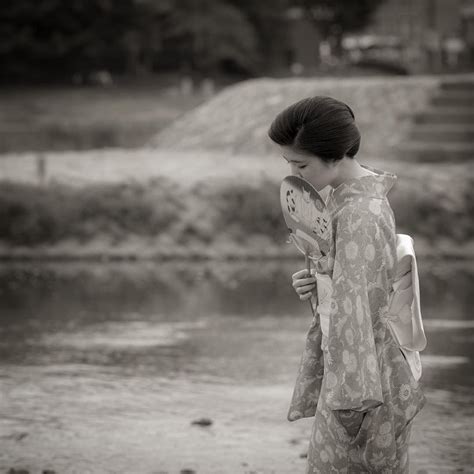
{"x": 104, "y": 368}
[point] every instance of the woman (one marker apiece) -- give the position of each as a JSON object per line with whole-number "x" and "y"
{"x": 353, "y": 377}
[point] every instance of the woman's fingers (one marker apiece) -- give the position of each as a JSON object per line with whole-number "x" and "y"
{"x": 303, "y": 282}
{"x": 306, "y": 296}
{"x": 304, "y": 288}
{"x": 300, "y": 274}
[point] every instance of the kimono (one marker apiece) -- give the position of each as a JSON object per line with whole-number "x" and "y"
{"x": 353, "y": 376}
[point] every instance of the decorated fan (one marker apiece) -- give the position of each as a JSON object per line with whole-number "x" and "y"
{"x": 306, "y": 217}
{"x": 309, "y": 223}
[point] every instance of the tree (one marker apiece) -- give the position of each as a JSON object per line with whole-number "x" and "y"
{"x": 205, "y": 35}
{"x": 335, "y": 18}
{"x": 269, "y": 21}
{"x": 54, "y": 38}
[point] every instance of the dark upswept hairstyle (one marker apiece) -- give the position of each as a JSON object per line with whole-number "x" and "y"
{"x": 320, "y": 126}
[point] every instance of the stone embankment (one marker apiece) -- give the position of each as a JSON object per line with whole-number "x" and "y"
{"x": 444, "y": 131}
{"x": 207, "y": 186}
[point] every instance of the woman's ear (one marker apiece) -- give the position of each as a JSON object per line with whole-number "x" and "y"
{"x": 334, "y": 166}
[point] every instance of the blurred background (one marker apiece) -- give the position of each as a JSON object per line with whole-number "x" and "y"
{"x": 147, "y": 319}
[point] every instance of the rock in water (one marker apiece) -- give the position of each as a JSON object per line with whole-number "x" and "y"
{"x": 202, "y": 422}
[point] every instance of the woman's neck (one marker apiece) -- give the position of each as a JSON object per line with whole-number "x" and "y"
{"x": 348, "y": 168}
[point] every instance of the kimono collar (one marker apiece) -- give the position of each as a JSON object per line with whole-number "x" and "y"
{"x": 376, "y": 186}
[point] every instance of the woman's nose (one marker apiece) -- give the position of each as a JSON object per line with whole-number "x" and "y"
{"x": 295, "y": 171}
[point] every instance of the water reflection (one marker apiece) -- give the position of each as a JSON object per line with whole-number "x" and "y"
{"x": 125, "y": 340}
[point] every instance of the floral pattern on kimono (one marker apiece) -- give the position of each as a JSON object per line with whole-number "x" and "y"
{"x": 355, "y": 380}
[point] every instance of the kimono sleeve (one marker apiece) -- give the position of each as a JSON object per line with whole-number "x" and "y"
{"x": 353, "y": 380}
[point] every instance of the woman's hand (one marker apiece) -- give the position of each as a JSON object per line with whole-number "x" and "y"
{"x": 303, "y": 284}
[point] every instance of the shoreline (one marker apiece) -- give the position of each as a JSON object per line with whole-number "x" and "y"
{"x": 443, "y": 250}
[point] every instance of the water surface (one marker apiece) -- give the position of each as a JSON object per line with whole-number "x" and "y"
{"x": 103, "y": 368}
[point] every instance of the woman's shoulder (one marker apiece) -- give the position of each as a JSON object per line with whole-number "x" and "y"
{"x": 367, "y": 208}
{"x": 367, "y": 214}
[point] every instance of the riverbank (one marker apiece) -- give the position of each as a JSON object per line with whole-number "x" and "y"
{"x": 45, "y": 118}
{"x": 213, "y": 193}
{"x": 103, "y": 250}
{"x": 200, "y": 215}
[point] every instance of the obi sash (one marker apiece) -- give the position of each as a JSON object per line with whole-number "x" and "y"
{"x": 404, "y": 312}
{"x": 403, "y": 316}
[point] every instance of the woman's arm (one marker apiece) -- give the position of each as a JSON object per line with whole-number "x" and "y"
{"x": 353, "y": 380}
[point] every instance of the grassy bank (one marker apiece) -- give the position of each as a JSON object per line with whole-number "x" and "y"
{"x": 87, "y": 117}
{"x": 220, "y": 218}
{"x": 237, "y": 119}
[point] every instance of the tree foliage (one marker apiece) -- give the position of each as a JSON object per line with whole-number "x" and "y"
{"x": 334, "y": 18}
{"x": 53, "y": 36}
{"x": 203, "y": 35}
{"x": 57, "y": 38}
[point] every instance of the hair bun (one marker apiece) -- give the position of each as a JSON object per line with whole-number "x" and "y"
{"x": 318, "y": 125}
{"x": 350, "y": 111}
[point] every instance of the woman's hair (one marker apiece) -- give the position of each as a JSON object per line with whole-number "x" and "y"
{"x": 318, "y": 125}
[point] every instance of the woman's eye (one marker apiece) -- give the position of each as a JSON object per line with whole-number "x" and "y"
{"x": 301, "y": 167}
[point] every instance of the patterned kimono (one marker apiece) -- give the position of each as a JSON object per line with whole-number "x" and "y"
{"x": 353, "y": 377}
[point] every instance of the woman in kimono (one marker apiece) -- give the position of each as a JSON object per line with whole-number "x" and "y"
{"x": 353, "y": 377}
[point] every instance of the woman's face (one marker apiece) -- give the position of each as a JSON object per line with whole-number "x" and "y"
{"x": 313, "y": 169}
